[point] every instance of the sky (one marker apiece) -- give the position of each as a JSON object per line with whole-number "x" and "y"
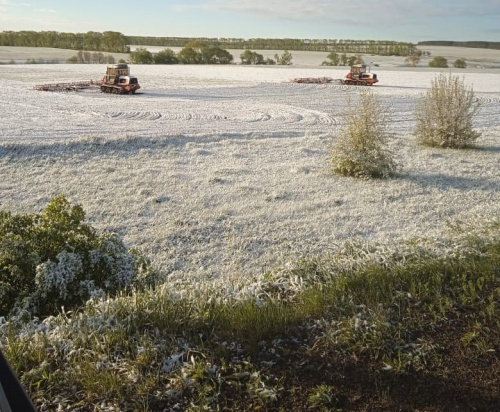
{"x": 398, "y": 20}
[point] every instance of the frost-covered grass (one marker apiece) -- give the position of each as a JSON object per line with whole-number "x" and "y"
{"x": 391, "y": 313}
{"x": 219, "y": 173}
{"x": 274, "y": 268}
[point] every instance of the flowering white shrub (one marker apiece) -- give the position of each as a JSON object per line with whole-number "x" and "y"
{"x": 52, "y": 277}
{"x": 54, "y": 259}
{"x": 361, "y": 149}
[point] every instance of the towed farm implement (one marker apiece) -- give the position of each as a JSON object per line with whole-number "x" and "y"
{"x": 68, "y": 87}
{"x": 358, "y": 76}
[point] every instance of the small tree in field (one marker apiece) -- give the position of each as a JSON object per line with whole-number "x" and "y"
{"x": 361, "y": 149}
{"x": 439, "y": 62}
{"x": 445, "y": 116}
{"x": 412, "y": 60}
{"x": 460, "y": 64}
{"x": 285, "y": 59}
{"x": 141, "y": 56}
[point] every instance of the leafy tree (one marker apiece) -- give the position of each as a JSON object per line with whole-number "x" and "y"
{"x": 198, "y": 52}
{"x": 439, "y": 61}
{"x": 188, "y": 55}
{"x": 250, "y": 57}
{"x": 166, "y": 56}
{"x": 247, "y": 57}
{"x": 223, "y": 56}
{"x": 460, "y": 64}
{"x": 334, "y": 59}
{"x": 412, "y": 60}
{"x": 89, "y": 58}
{"x": 92, "y": 41}
{"x": 343, "y": 59}
{"x": 285, "y": 59}
{"x": 141, "y": 56}
{"x": 445, "y": 116}
{"x": 112, "y": 41}
{"x": 54, "y": 259}
{"x": 351, "y": 60}
{"x": 215, "y": 55}
{"x": 361, "y": 149}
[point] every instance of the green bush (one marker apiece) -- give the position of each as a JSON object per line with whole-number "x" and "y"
{"x": 360, "y": 151}
{"x": 250, "y": 57}
{"x": 166, "y": 56}
{"x": 285, "y": 59}
{"x": 444, "y": 118}
{"x": 197, "y": 52}
{"x": 54, "y": 259}
{"x": 412, "y": 60}
{"x": 460, "y": 64}
{"x": 439, "y": 61}
{"x": 141, "y": 56}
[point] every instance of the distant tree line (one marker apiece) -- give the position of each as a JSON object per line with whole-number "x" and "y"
{"x": 195, "y": 52}
{"x": 198, "y": 52}
{"x": 472, "y": 44}
{"x": 251, "y": 57}
{"x": 108, "y": 41}
{"x": 378, "y": 47}
{"x": 86, "y": 57}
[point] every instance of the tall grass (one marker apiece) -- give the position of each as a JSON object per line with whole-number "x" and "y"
{"x": 158, "y": 348}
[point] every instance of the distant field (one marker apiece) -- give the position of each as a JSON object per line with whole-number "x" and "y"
{"x": 476, "y": 58}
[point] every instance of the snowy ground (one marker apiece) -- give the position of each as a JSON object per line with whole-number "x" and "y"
{"x": 216, "y": 171}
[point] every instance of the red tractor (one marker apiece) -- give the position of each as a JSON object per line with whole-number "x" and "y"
{"x": 118, "y": 80}
{"x": 360, "y": 76}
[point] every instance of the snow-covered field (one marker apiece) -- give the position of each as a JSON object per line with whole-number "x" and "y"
{"x": 222, "y": 171}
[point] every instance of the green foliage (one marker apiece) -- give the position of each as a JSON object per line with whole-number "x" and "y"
{"x": 444, "y": 117}
{"x": 380, "y": 317}
{"x": 378, "y": 47}
{"x": 325, "y": 398}
{"x": 352, "y": 60}
{"x": 334, "y": 59}
{"x": 360, "y": 151}
{"x": 54, "y": 259}
{"x": 439, "y": 62}
{"x": 460, "y": 64}
{"x": 198, "y": 52}
{"x": 285, "y": 59}
{"x": 109, "y": 41}
{"x": 343, "y": 59}
{"x": 250, "y": 57}
{"x": 166, "y": 56}
{"x": 189, "y": 55}
{"x": 141, "y": 56}
{"x": 86, "y": 57}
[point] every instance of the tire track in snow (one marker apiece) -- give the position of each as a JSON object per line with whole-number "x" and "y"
{"x": 134, "y": 115}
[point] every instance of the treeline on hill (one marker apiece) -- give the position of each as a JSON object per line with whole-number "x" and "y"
{"x": 473, "y": 44}
{"x": 378, "y": 47}
{"x": 108, "y": 41}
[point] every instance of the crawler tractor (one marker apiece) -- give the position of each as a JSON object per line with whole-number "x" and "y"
{"x": 359, "y": 76}
{"x": 118, "y": 80}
